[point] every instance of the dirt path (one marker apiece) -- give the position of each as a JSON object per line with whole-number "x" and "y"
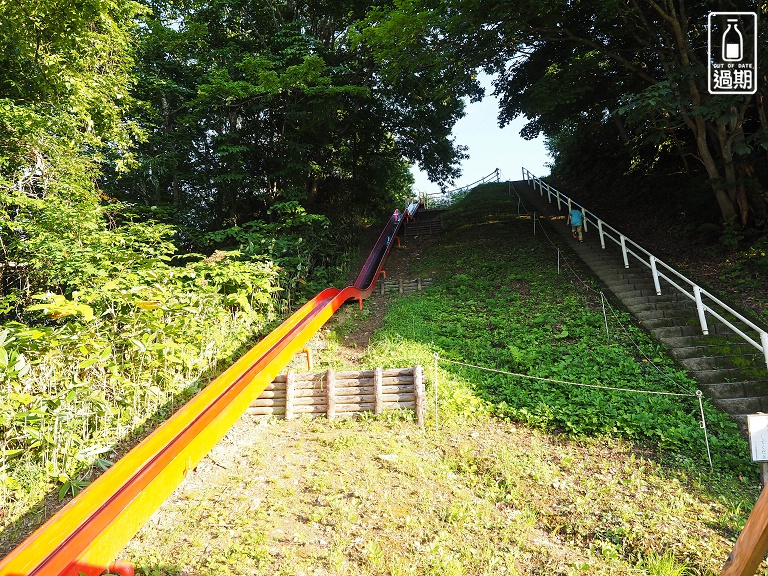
{"x": 403, "y": 263}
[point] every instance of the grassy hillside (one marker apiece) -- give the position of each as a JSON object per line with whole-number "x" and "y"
{"x": 511, "y": 475}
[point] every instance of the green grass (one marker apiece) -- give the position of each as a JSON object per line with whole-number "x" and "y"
{"x": 501, "y": 304}
{"x": 510, "y": 477}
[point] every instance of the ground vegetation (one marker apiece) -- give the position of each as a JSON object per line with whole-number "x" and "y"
{"x": 508, "y": 476}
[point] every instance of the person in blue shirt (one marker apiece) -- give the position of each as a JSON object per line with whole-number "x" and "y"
{"x": 575, "y": 221}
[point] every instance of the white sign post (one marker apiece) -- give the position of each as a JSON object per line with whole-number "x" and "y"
{"x": 757, "y": 425}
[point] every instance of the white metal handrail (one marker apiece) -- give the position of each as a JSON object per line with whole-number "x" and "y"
{"x": 448, "y": 196}
{"x": 659, "y": 270}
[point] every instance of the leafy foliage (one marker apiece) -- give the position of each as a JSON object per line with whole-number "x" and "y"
{"x": 303, "y": 246}
{"x": 134, "y": 329}
{"x": 248, "y": 104}
{"x": 514, "y": 313}
{"x": 131, "y": 345}
{"x": 633, "y": 74}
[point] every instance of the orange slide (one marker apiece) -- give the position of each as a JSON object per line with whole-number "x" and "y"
{"x": 87, "y": 534}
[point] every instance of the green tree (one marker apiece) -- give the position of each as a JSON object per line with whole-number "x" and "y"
{"x": 64, "y": 86}
{"x": 250, "y": 103}
{"x": 639, "y": 66}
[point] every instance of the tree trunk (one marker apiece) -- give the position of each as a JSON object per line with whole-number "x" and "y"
{"x": 761, "y": 113}
{"x": 619, "y": 123}
{"x": 232, "y": 191}
{"x": 705, "y": 154}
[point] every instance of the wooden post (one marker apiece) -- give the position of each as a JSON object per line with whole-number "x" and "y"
{"x": 418, "y": 390}
{"x": 418, "y": 284}
{"x": 752, "y": 544}
{"x": 378, "y": 401}
{"x": 400, "y": 285}
{"x": 290, "y": 385}
{"x": 308, "y": 352}
{"x": 330, "y": 391}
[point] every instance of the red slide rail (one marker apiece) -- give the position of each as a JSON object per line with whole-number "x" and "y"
{"x": 87, "y": 534}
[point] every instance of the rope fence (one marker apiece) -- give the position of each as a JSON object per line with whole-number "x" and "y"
{"x": 698, "y": 395}
{"x": 614, "y": 315}
{"x": 604, "y": 301}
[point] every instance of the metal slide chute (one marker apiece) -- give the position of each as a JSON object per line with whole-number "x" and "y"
{"x": 86, "y": 535}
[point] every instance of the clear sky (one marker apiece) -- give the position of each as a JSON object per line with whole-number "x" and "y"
{"x": 491, "y": 147}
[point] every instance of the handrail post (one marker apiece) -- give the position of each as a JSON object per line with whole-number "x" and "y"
{"x": 557, "y": 195}
{"x": 570, "y": 206}
{"x": 700, "y": 310}
{"x": 624, "y": 251}
{"x": 602, "y": 236}
{"x": 584, "y": 218}
{"x": 549, "y": 194}
{"x": 764, "y": 342}
{"x": 655, "y": 273}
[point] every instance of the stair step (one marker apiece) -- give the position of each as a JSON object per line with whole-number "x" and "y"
{"x": 737, "y": 389}
{"x": 743, "y": 406}
{"x": 652, "y": 299}
{"x": 630, "y": 290}
{"x": 621, "y": 275}
{"x": 691, "y": 330}
{"x": 615, "y": 265}
{"x": 627, "y": 285}
{"x": 673, "y": 342}
{"x": 653, "y": 323}
{"x": 675, "y": 331}
{"x": 671, "y": 313}
{"x": 618, "y": 273}
{"x": 725, "y": 390}
{"x": 650, "y": 305}
{"x": 717, "y": 375}
{"x": 703, "y": 350}
{"x": 706, "y": 363}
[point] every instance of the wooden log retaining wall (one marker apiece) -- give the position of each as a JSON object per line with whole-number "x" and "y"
{"x": 343, "y": 393}
{"x": 403, "y": 286}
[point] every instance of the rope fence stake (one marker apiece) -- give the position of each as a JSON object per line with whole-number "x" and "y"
{"x": 605, "y": 317}
{"x": 703, "y": 425}
{"x": 437, "y": 359}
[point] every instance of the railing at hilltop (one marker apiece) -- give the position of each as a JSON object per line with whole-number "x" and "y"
{"x": 706, "y": 303}
{"x": 448, "y": 197}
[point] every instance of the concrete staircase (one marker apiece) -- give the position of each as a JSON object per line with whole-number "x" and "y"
{"x": 727, "y": 369}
